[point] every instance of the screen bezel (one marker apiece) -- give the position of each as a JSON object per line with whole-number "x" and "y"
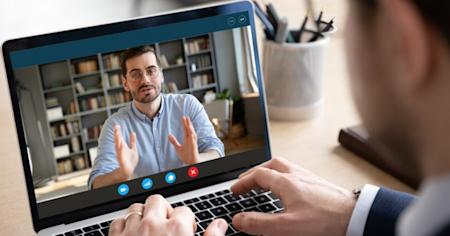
{"x": 76, "y": 34}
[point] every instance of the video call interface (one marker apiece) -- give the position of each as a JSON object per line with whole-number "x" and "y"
{"x": 79, "y": 112}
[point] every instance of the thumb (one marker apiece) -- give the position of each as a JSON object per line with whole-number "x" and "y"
{"x": 256, "y": 223}
{"x": 217, "y": 228}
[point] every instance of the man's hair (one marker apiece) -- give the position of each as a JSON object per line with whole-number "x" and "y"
{"x": 134, "y": 52}
{"x": 435, "y": 12}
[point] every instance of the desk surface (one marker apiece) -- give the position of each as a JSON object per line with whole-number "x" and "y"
{"x": 312, "y": 144}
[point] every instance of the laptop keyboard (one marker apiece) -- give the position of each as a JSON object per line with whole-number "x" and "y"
{"x": 222, "y": 204}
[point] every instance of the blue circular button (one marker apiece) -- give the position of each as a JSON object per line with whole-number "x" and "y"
{"x": 170, "y": 177}
{"x": 147, "y": 183}
{"x": 123, "y": 189}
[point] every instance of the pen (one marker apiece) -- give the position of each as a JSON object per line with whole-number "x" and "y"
{"x": 302, "y": 28}
{"x": 275, "y": 19}
{"x": 269, "y": 29}
{"x": 282, "y": 31}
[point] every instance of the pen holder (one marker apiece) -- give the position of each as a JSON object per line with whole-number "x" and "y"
{"x": 294, "y": 79}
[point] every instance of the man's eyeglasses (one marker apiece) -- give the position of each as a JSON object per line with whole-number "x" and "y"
{"x": 138, "y": 75}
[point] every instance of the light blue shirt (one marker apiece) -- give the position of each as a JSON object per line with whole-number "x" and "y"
{"x": 156, "y": 153}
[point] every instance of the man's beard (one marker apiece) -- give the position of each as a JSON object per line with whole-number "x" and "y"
{"x": 146, "y": 98}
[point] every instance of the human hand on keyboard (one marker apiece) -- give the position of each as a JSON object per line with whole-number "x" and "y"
{"x": 313, "y": 206}
{"x": 157, "y": 217}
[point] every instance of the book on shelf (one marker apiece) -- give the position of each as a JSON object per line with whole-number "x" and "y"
{"x": 61, "y": 151}
{"x": 119, "y": 98}
{"x": 80, "y": 88}
{"x": 87, "y": 66}
{"x": 93, "y": 132}
{"x": 51, "y": 102}
{"x": 197, "y": 45}
{"x": 163, "y": 61}
{"x": 65, "y": 167}
{"x": 55, "y": 113}
{"x": 92, "y": 103}
{"x": 75, "y": 144}
{"x": 112, "y": 61}
{"x": 92, "y": 154}
{"x": 114, "y": 80}
{"x": 65, "y": 128}
{"x": 172, "y": 86}
{"x": 72, "y": 107}
{"x": 79, "y": 163}
{"x": 200, "y": 62}
{"x": 202, "y": 80}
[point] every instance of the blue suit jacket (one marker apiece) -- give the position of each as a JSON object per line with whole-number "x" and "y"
{"x": 385, "y": 211}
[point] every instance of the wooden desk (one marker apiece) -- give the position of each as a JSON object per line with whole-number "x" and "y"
{"x": 311, "y": 144}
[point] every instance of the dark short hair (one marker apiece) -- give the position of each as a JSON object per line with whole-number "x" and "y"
{"x": 134, "y": 52}
{"x": 435, "y": 12}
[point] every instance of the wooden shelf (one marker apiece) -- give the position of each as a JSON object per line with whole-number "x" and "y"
{"x": 66, "y": 137}
{"x": 112, "y": 70}
{"x": 58, "y": 89}
{"x": 77, "y": 76}
{"x": 203, "y": 69}
{"x": 66, "y": 117}
{"x": 70, "y": 155}
{"x": 90, "y": 92}
{"x": 92, "y": 111}
{"x": 209, "y": 86}
{"x": 201, "y": 52}
{"x": 171, "y": 67}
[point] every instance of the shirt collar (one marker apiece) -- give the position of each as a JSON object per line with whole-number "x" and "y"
{"x": 141, "y": 115}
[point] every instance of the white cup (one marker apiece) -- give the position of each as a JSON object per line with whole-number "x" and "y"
{"x": 293, "y": 75}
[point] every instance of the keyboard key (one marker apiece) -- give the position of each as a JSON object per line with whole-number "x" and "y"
{"x": 190, "y": 201}
{"x": 230, "y": 230}
{"x": 219, "y": 201}
{"x": 91, "y": 228}
{"x": 205, "y": 223}
{"x": 232, "y": 207}
{"x": 234, "y": 213}
{"x": 268, "y": 207}
{"x": 193, "y": 208}
{"x": 105, "y": 231}
{"x": 203, "y": 205}
{"x": 199, "y": 229}
{"x": 227, "y": 218}
{"x": 105, "y": 224}
{"x": 253, "y": 209}
{"x": 272, "y": 196}
{"x": 204, "y": 215}
{"x": 223, "y": 192}
{"x": 218, "y": 211}
{"x": 93, "y": 233}
{"x": 278, "y": 204}
{"x": 249, "y": 194}
{"x": 177, "y": 204}
{"x": 232, "y": 197}
{"x": 247, "y": 203}
{"x": 259, "y": 191}
{"x": 262, "y": 199}
{"x": 207, "y": 196}
{"x": 73, "y": 232}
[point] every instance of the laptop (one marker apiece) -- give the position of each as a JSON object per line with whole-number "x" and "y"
{"x": 65, "y": 85}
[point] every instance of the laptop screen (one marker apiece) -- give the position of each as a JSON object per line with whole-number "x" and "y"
{"x": 131, "y": 108}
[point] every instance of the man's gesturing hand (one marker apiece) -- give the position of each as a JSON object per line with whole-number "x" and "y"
{"x": 127, "y": 156}
{"x": 157, "y": 217}
{"x": 188, "y": 151}
{"x": 312, "y": 205}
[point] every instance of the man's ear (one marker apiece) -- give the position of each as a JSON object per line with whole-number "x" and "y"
{"x": 412, "y": 41}
{"x": 125, "y": 84}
